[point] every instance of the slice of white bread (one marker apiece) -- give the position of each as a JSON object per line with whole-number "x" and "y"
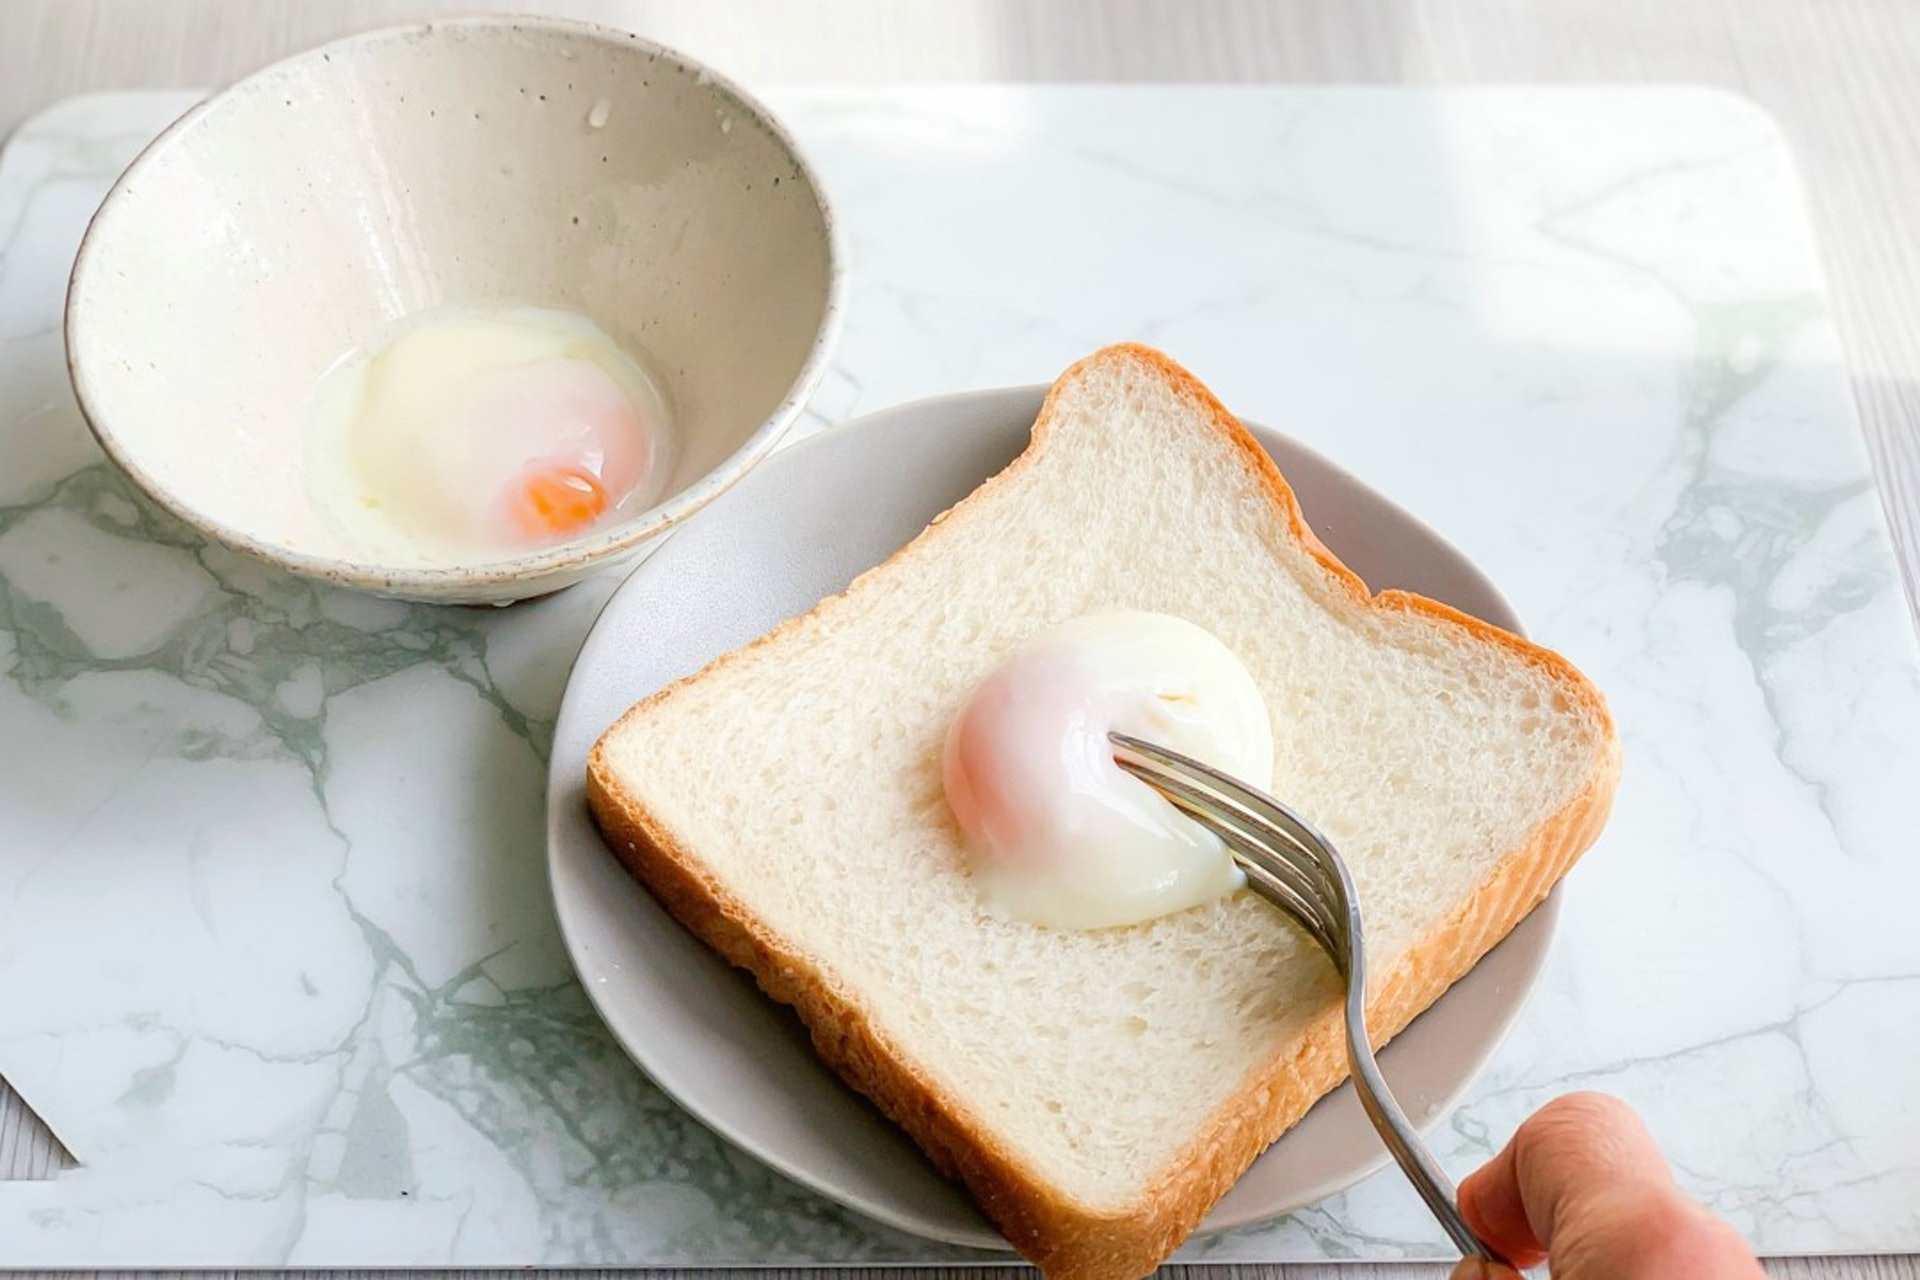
{"x": 1098, "y": 1092}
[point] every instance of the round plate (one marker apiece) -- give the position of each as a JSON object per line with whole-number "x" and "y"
{"x": 799, "y": 528}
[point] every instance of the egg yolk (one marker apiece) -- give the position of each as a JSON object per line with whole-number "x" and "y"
{"x": 556, "y": 502}
{"x": 1056, "y": 832}
{"x": 562, "y": 447}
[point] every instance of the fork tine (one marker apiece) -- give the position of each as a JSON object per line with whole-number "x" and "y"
{"x": 1276, "y": 874}
{"x": 1224, "y": 817}
{"x": 1288, "y": 827}
{"x": 1299, "y": 893}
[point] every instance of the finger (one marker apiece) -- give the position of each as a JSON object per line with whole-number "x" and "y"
{"x": 1571, "y": 1150}
{"x": 1583, "y": 1180}
{"x": 1490, "y": 1202}
{"x": 1481, "y": 1269}
{"x": 1583, "y": 1162}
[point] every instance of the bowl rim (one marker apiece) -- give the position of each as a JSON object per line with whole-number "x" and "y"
{"x": 430, "y": 582}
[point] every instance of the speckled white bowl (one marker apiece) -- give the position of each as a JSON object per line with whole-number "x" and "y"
{"x": 482, "y": 162}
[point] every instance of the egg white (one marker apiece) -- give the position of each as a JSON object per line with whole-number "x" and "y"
{"x": 408, "y": 463}
{"x": 1057, "y": 833}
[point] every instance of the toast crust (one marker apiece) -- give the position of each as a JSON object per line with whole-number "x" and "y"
{"x": 1067, "y": 1239}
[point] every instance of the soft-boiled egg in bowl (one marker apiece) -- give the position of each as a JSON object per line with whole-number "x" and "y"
{"x": 457, "y": 312}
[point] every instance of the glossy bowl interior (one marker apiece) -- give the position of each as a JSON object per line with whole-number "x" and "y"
{"x": 479, "y": 163}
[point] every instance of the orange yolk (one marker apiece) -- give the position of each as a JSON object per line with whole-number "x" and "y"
{"x": 556, "y": 501}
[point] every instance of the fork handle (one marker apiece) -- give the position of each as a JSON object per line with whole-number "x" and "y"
{"x": 1401, "y": 1138}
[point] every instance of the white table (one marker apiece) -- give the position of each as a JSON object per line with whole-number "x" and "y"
{"x": 1839, "y": 75}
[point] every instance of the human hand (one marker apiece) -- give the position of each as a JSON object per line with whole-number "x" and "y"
{"x": 1583, "y": 1185}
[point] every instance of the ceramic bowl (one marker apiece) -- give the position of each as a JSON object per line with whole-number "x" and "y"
{"x": 479, "y": 163}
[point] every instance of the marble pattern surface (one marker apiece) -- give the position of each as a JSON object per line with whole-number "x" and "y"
{"x": 276, "y": 958}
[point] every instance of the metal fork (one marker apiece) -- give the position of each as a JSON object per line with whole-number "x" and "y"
{"x": 1296, "y": 868}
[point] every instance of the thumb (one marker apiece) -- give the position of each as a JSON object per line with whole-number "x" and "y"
{"x": 1583, "y": 1180}
{"x": 1481, "y": 1269}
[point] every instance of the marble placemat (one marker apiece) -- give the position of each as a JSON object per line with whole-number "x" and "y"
{"x": 277, "y": 961}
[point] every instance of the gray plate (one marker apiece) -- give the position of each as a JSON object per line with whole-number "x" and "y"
{"x": 800, "y": 527}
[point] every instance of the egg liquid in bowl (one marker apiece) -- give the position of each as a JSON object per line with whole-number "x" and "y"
{"x": 477, "y": 435}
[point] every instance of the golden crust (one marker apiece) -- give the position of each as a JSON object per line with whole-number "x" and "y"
{"x": 1066, "y": 1239}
